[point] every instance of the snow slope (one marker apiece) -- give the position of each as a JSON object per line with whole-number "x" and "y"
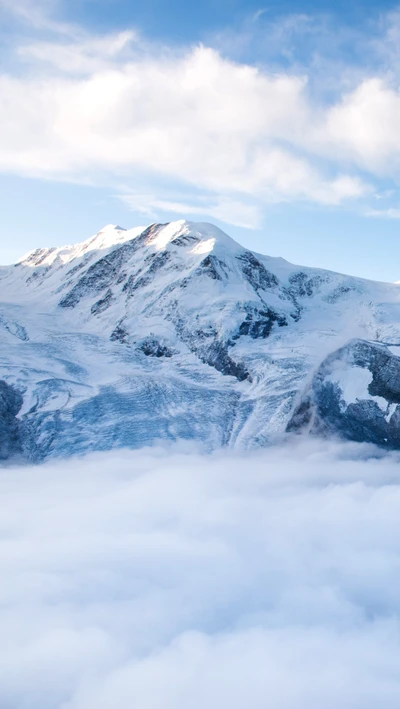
{"x": 170, "y": 331}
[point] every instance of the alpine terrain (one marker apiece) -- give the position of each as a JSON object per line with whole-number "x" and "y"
{"x": 175, "y": 331}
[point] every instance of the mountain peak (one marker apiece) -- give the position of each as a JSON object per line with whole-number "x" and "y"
{"x": 108, "y": 236}
{"x": 175, "y": 330}
{"x": 111, "y": 227}
{"x": 208, "y": 236}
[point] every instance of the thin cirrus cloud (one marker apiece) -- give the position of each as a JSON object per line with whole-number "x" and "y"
{"x": 39, "y": 15}
{"x": 391, "y": 213}
{"x": 233, "y": 211}
{"x": 90, "y": 108}
{"x": 166, "y": 578}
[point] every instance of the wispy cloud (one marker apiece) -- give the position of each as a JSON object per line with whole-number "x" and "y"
{"x": 226, "y": 210}
{"x": 390, "y": 213}
{"x": 39, "y": 15}
{"x": 88, "y": 56}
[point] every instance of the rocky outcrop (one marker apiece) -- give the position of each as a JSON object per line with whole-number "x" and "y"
{"x": 355, "y": 394}
{"x": 152, "y": 347}
{"x": 10, "y": 433}
{"x": 104, "y": 272}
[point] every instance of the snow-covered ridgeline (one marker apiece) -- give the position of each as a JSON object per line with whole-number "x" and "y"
{"x": 172, "y": 331}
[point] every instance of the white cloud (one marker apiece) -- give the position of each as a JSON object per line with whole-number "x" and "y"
{"x": 165, "y": 579}
{"x": 363, "y": 128}
{"x": 225, "y": 209}
{"x": 116, "y": 106}
{"x": 38, "y": 15}
{"x": 390, "y": 213}
{"x": 91, "y": 54}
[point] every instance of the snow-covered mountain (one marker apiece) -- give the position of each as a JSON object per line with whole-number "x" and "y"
{"x": 175, "y": 331}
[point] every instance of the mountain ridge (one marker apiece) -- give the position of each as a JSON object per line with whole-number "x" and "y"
{"x": 219, "y": 343}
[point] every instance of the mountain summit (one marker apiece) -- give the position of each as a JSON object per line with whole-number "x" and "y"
{"x": 176, "y": 331}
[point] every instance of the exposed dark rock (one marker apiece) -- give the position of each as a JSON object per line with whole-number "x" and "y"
{"x": 129, "y": 286}
{"x": 185, "y": 240}
{"x": 158, "y": 262}
{"x": 259, "y": 323}
{"x": 217, "y": 356}
{"x": 256, "y": 274}
{"x": 151, "y": 232}
{"x": 324, "y": 410}
{"x": 122, "y": 276}
{"x": 394, "y": 428}
{"x": 105, "y": 271}
{"x": 339, "y": 293}
{"x": 206, "y": 345}
{"x": 99, "y": 276}
{"x": 144, "y": 278}
{"x": 302, "y": 286}
{"x": 296, "y": 315}
{"x": 152, "y": 347}
{"x": 301, "y": 417}
{"x": 38, "y": 274}
{"x": 119, "y": 334}
{"x": 37, "y": 257}
{"x": 212, "y": 267}
{"x": 10, "y": 404}
{"x": 79, "y": 266}
{"x": 103, "y": 303}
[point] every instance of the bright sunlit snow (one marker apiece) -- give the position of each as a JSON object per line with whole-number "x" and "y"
{"x": 354, "y": 383}
{"x": 177, "y": 331}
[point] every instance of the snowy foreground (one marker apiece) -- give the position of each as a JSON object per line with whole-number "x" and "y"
{"x": 175, "y": 332}
{"x": 169, "y": 579}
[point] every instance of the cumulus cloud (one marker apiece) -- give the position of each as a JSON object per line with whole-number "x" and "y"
{"x": 199, "y": 118}
{"x": 88, "y": 107}
{"x": 364, "y": 127}
{"x": 167, "y": 579}
{"x": 244, "y": 133}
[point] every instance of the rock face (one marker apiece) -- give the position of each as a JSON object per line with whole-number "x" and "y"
{"x": 175, "y": 331}
{"x": 355, "y": 394}
{"x": 10, "y": 433}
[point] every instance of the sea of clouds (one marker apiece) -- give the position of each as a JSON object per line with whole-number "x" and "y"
{"x": 171, "y": 579}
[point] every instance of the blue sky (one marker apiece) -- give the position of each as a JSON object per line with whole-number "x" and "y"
{"x": 278, "y": 122}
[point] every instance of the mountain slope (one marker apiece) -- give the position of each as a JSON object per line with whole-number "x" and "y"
{"x": 166, "y": 332}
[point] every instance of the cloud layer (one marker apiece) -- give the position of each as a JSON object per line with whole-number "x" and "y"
{"x": 115, "y": 107}
{"x": 167, "y": 579}
{"x": 198, "y": 118}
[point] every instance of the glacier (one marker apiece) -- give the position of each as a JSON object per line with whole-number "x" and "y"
{"x": 175, "y": 331}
